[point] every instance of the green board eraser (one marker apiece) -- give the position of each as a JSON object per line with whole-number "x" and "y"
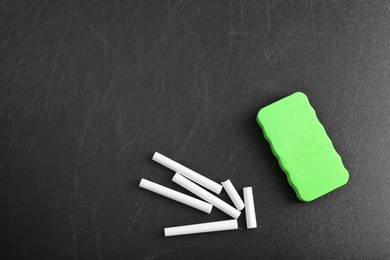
{"x": 303, "y": 149}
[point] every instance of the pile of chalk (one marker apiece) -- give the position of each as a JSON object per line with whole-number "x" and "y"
{"x": 192, "y": 181}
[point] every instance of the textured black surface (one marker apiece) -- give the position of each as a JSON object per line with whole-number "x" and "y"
{"x": 89, "y": 90}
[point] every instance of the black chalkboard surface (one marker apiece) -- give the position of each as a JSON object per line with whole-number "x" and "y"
{"x": 91, "y": 89}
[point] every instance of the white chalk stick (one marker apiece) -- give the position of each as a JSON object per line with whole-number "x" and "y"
{"x": 207, "y": 196}
{"x": 188, "y": 173}
{"x": 175, "y": 195}
{"x": 249, "y": 208}
{"x": 233, "y": 194}
{"x": 201, "y": 228}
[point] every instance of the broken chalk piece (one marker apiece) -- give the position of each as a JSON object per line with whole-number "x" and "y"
{"x": 249, "y": 208}
{"x": 303, "y": 149}
{"x": 175, "y": 195}
{"x": 201, "y": 228}
{"x": 207, "y": 196}
{"x": 188, "y": 173}
{"x": 233, "y": 194}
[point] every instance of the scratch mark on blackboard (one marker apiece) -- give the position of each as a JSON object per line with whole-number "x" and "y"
{"x": 223, "y": 167}
{"x": 153, "y": 255}
{"x": 120, "y": 152}
{"x": 98, "y": 245}
{"x": 136, "y": 215}
{"x": 188, "y": 19}
{"x": 78, "y": 159}
{"x": 129, "y": 149}
{"x": 242, "y": 15}
{"x": 38, "y": 129}
{"x": 21, "y": 14}
{"x": 265, "y": 54}
{"x": 189, "y": 136}
{"x": 231, "y": 25}
{"x": 97, "y": 205}
{"x": 95, "y": 33}
{"x": 58, "y": 202}
{"x": 311, "y": 12}
{"x": 162, "y": 78}
{"x": 39, "y": 242}
{"x": 5, "y": 88}
{"x": 119, "y": 123}
{"x": 278, "y": 45}
{"x": 13, "y": 85}
{"x": 142, "y": 230}
{"x": 58, "y": 52}
{"x": 105, "y": 45}
{"x": 159, "y": 215}
{"x": 200, "y": 238}
{"x": 12, "y": 218}
{"x": 135, "y": 12}
{"x": 14, "y": 133}
{"x": 179, "y": 243}
{"x": 170, "y": 212}
{"x": 269, "y": 16}
{"x": 75, "y": 246}
{"x": 17, "y": 145}
{"x": 86, "y": 125}
{"x": 60, "y": 89}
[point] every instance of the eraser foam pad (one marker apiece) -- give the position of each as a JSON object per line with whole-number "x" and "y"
{"x": 302, "y": 147}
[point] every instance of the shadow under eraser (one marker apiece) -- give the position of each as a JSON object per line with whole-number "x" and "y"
{"x": 303, "y": 149}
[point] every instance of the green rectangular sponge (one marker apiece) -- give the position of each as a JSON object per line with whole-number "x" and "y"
{"x": 303, "y": 149}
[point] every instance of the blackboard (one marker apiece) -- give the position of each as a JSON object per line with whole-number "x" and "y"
{"x": 91, "y": 89}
